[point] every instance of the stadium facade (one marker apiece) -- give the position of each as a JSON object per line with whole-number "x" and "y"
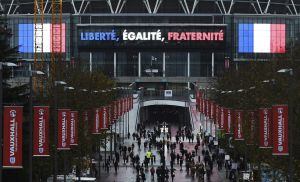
{"x": 160, "y": 43}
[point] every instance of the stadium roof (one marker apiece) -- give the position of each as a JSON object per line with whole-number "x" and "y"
{"x": 226, "y": 7}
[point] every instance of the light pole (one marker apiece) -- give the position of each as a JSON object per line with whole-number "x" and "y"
{"x": 56, "y": 83}
{"x": 1, "y": 111}
{"x": 31, "y": 73}
{"x": 290, "y": 123}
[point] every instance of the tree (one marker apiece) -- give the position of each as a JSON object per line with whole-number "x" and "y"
{"x": 268, "y": 88}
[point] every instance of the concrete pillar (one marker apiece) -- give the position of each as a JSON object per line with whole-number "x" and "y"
{"x": 91, "y": 61}
{"x": 140, "y": 66}
{"x": 212, "y": 64}
{"x": 188, "y": 69}
{"x": 115, "y": 64}
{"x": 164, "y": 64}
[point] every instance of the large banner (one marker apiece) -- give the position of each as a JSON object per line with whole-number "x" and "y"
{"x": 74, "y": 128}
{"x": 41, "y": 131}
{"x": 265, "y": 128}
{"x": 97, "y": 121}
{"x": 238, "y": 125}
{"x": 63, "y": 129}
{"x": 280, "y": 130}
{"x": 12, "y": 136}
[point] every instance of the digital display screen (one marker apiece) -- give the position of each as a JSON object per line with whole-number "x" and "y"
{"x": 262, "y": 38}
{"x": 31, "y": 35}
{"x": 160, "y": 36}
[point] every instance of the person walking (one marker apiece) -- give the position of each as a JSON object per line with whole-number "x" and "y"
{"x": 173, "y": 174}
{"x": 116, "y": 165}
{"x": 181, "y": 162}
{"x": 152, "y": 171}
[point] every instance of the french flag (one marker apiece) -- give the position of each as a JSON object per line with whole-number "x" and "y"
{"x": 31, "y": 35}
{"x": 261, "y": 38}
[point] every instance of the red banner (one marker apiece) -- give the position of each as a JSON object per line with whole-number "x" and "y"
{"x": 225, "y": 116}
{"x": 123, "y": 106}
{"x": 12, "y": 136}
{"x": 208, "y": 103}
{"x": 265, "y": 128}
{"x": 229, "y": 119}
{"x": 74, "y": 128}
{"x": 222, "y": 118}
{"x": 115, "y": 114}
{"x": 280, "y": 130}
{"x": 212, "y": 105}
{"x": 97, "y": 121}
{"x": 104, "y": 118}
{"x": 63, "y": 129}
{"x": 217, "y": 115}
{"x": 41, "y": 131}
{"x": 252, "y": 129}
{"x": 131, "y": 102}
{"x": 238, "y": 128}
{"x": 119, "y": 108}
{"x": 109, "y": 115}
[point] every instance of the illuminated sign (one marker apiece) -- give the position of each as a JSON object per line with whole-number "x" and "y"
{"x": 206, "y": 37}
{"x": 261, "y": 38}
{"x": 31, "y": 35}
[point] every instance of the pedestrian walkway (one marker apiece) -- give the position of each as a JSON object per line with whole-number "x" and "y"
{"x": 127, "y": 173}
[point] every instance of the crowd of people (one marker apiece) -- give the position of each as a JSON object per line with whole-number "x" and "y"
{"x": 198, "y": 164}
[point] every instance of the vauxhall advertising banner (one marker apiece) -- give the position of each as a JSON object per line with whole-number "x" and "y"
{"x": 172, "y": 36}
{"x": 63, "y": 138}
{"x": 97, "y": 120}
{"x": 238, "y": 125}
{"x": 41, "y": 131}
{"x": 265, "y": 128}
{"x": 280, "y": 130}
{"x": 74, "y": 128}
{"x": 12, "y": 136}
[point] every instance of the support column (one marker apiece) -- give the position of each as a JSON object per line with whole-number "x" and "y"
{"x": 115, "y": 64}
{"x": 164, "y": 64}
{"x": 188, "y": 69}
{"x": 139, "y": 60}
{"x": 91, "y": 62}
{"x": 212, "y": 64}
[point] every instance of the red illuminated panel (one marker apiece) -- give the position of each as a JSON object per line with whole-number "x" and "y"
{"x": 277, "y": 38}
{"x": 58, "y": 41}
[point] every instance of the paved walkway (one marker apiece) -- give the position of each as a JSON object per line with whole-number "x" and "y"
{"x": 127, "y": 173}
